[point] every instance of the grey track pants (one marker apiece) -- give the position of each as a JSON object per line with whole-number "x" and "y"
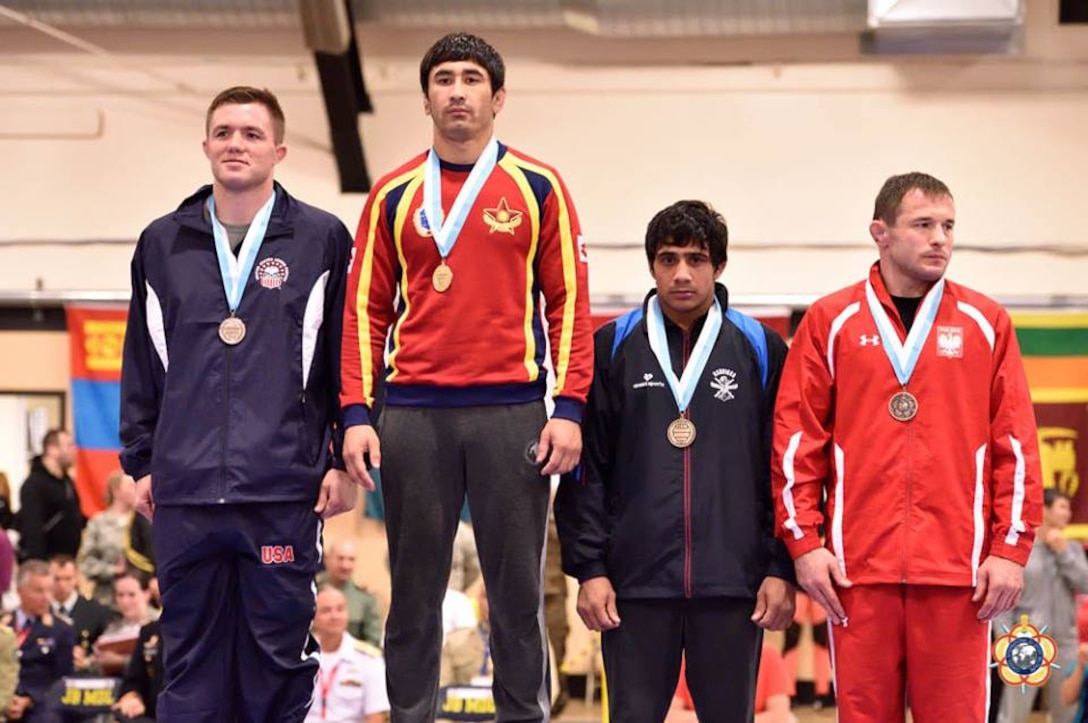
{"x": 432, "y": 458}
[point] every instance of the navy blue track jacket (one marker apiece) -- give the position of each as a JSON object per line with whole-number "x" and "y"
{"x": 255, "y": 422}
{"x": 662, "y": 522}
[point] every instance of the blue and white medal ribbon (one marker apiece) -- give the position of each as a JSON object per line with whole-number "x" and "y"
{"x": 904, "y": 355}
{"x": 235, "y": 270}
{"x": 681, "y": 431}
{"x": 446, "y": 230}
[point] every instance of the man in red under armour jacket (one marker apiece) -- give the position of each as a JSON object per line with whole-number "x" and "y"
{"x": 461, "y": 254}
{"x": 904, "y": 400}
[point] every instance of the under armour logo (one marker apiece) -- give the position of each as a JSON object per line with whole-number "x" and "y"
{"x": 647, "y": 377}
{"x": 873, "y": 340}
{"x": 530, "y": 453}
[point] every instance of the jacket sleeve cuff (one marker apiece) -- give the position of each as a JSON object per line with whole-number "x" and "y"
{"x": 588, "y": 571}
{"x": 808, "y": 543}
{"x": 1010, "y": 552}
{"x": 568, "y": 408}
{"x": 135, "y": 467}
{"x": 356, "y": 414}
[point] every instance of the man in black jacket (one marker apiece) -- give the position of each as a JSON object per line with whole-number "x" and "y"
{"x": 87, "y": 616}
{"x": 668, "y": 525}
{"x": 50, "y": 521}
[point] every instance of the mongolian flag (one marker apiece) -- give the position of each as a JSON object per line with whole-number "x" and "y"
{"x": 1055, "y": 350}
{"x": 96, "y": 337}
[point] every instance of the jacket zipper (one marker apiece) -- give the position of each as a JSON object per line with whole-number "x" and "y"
{"x": 907, "y": 505}
{"x": 687, "y": 493}
{"x": 222, "y": 497}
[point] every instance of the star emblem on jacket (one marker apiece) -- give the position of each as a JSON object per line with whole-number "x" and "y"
{"x": 724, "y": 384}
{"x": 502, "y": 218}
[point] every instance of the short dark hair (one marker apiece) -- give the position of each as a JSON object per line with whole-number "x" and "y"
{"x": 52, "y": 438}
{"x": 63, "y": 559}
{"x": 243, "y": 94}
{"x": 687, "y": 223}
{"x": 1052, "y": 495}
{"x": 463, "y": 46}
{"x": 891, "y": 194}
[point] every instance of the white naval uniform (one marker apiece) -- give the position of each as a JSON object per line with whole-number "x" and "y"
{"x": 350, "y": 684}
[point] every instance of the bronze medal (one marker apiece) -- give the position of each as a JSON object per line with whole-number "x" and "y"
{"x": 681, "y": 432}
{"x": 442, "y": 277}
{"x": 232, "y": 330}
{"x": 903, "y": 406}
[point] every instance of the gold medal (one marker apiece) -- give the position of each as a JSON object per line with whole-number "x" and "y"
{"x": 903, "y": 406}
{"x": 232, "y": 330}
{"x": 681, "y": 432}
{"x": 442, "y": 277}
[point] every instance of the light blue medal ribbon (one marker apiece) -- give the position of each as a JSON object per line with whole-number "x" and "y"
{"x": 683, "y": 389}
{"x": 235, "y": 270}
{"x": 446, "y": 230}
{"x": 904, "y": 355}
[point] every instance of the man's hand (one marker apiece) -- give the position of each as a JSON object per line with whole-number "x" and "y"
{"x": 145, "y": 505}
{"x": 561, "y": 444}
{"x": 359, "y": 441}
{"x": 1000, "y": 582}
{"x": 18, "y": 705}
{"x": 775, "y": 603}
{"x": 338, "y": 493}
{"x": 79, "y": 658}
{"x": 818, "y": 572}
{"x": 597, "y": 604}
{"x": 130, "y": 705}
{"x": 1056, "y": 541}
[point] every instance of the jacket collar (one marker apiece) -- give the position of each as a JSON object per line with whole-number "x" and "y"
{"x": 720, "y": 292}
{"x": 191, "y": 212}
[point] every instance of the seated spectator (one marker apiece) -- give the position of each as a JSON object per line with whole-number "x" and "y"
{"x": 49, "y": 521}
{"x": 465, "y": 565}
{"x": 464, "y": 652}
{"x": 87, "y": 617}
{"x": 142, "y": 680}
{"x": 364, "y": 616}
{"x": 113, "y": 649}
{"x": 351, "y": 682}
{"x": 44, "y": 643}
{"x": 102, "y": 556}
{"x": 9, "y": 667}
{"x": 772, "y": 692}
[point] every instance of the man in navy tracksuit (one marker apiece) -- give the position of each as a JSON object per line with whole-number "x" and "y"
{"x": 669, "y": 525}
{"x": 229, "y": 416}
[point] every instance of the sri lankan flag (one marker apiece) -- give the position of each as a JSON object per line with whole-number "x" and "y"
{"x": 1055, "y": 350}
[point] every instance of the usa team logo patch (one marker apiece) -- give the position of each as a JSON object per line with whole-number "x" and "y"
{"x": 277, "y": 554}
{"x": 950, "y": 341}
{"x": 272, "y": 273}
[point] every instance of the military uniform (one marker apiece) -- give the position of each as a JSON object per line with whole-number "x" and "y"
{"x": 45, "y": 656}
{"x": 143, "y": 674}
{"x": 364, "y": 615}
{"x": 9, "y": 664}
{"x": 103, "y": 547}
{"x": 350, "y": 684}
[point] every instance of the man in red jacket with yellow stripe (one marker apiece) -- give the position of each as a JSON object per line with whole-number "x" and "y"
{"x": 904, "y": 400}
{"x": 454, "y": 254}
